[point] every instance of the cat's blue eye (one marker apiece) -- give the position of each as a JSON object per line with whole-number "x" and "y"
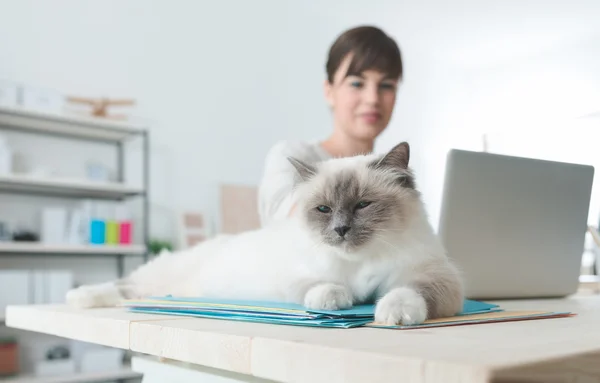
{"x": 324, "y": 209}
{"x": 362, "y": 204}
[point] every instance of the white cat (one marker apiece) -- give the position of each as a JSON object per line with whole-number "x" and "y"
{"x": 361, "y": 235}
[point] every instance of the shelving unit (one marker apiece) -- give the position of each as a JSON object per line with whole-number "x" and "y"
{"x": 82, "y": 128}
{"x": 113, "y": 133}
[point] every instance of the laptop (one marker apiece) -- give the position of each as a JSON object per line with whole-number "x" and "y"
{"x": 515, "y": 226}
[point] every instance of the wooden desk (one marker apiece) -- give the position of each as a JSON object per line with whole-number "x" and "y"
{"x": 549, "y": 350}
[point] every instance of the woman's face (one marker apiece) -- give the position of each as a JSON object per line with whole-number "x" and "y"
{"x": 362, "y": 104}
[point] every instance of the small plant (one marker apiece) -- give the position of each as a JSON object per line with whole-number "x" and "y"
{"x": 157, "y": 245}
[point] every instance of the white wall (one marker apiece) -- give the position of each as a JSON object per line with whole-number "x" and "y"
{"x": 527, "y": 104}
{"x": 534, "y": 107}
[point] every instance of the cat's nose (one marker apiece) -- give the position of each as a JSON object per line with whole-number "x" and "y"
{"x": 342, "y": 230}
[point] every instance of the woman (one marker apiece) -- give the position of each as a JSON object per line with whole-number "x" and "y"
{"x": 364, "y": 69}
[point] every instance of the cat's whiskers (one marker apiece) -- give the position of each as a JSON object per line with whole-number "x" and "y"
{"x": 390, "y": 230}
{"x": 406, "y": 246}
{"x": 385, "y": 232}
{"x": 315, "y": 245}
{"x": 381, "y": 238}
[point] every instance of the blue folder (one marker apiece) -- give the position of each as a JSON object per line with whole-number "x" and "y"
{"x": 273, "y": 312}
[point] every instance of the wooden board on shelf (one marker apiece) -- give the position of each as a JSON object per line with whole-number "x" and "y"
{"x": 92, "y": 128}
{"x": 66, "y": 187}
{"x": 122, "y": 374}
{"x": 41, "y": 248}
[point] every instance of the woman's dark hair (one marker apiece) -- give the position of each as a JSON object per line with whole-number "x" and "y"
{"x": 371, "y": 48}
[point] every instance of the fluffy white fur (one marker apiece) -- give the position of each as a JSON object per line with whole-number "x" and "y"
{"x": 404, "y": 268}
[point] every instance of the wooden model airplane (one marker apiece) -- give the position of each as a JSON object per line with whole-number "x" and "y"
{"x": 100, "y": 106}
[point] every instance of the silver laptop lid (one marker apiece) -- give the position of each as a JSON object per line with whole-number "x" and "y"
{"x": 515, "y": 226}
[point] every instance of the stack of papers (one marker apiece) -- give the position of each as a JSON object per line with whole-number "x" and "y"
{"x": 291, "y": 314}
{"x": 250, "y": 311}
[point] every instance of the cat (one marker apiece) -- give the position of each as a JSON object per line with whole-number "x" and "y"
{"x": 360, "y": 235}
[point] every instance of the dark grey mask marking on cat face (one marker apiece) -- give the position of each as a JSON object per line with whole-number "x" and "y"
{"x": 357, "y": 208}
{"x": 349, "y": 224}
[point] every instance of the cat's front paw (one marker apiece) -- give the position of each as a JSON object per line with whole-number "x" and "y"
{"x": 401, "y": 306}
{"x": 328, "y": 296}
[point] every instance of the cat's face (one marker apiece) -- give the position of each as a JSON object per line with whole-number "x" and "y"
{"x": 349, "y": 203}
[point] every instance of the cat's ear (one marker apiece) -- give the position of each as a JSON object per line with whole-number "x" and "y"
{"x": 305, "y": 171}
{"x": 398, "y": 157}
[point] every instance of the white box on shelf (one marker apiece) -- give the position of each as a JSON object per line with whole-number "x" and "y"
{"x": 6, "y": 157}
{"x": 77, "y": 229}
{"x": 101, "y": 359}
{"x": 41, "y": 99}
{"x": 5, "y": 235}
{"x": 14, "y": 288}
{"x": 57, "y": 283}
{"x": 96, "y": 171}
{"x": 54, "y": 225}
{"x": 38, "y": 286}
{"x": 55, "y": 367}
{"x": 49, "y": 286}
